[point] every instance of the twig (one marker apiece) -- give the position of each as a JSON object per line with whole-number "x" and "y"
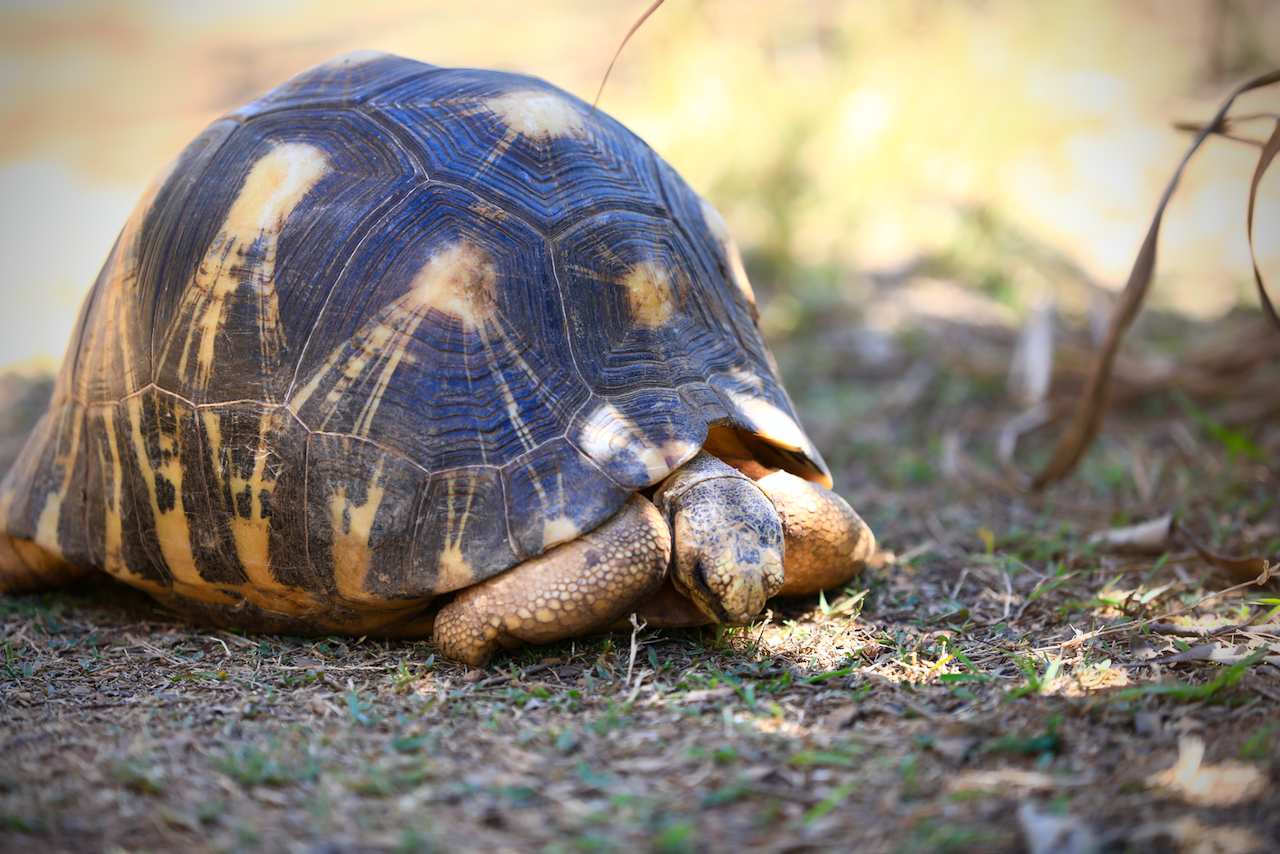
{"x": 625, "y": 39}
{"x": 635, "y": 690}
{"x": 1008, "y": 594}
{"x": 225, "y": 648}
{"x": 1200, "y": 631}
{"x": 636, "y": 626}
{"x": 1090, "y": 408}
{"x": 238, "y": 640}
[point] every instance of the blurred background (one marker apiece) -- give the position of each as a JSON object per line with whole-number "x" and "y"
{"x": 969, "y": 159}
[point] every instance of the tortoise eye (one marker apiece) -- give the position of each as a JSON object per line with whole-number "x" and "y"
{"x": 700, "y": 576}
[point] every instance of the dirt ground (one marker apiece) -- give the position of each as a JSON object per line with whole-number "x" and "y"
{"x": 997, "y": 682}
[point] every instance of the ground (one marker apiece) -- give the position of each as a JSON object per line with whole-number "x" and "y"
{"x": 981, "y": 688}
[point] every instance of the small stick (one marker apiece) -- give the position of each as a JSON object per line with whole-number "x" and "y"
{"x": 1267, "y": 572}
{"x": 636, "y": 626}
{"x": 647, "y": 12}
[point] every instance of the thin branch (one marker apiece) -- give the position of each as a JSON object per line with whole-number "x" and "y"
{"x": 1086, "y": 420}
{"x": 647, "y": 12}
{"x": 1268, "y": 571}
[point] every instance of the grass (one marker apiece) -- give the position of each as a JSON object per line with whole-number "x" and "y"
{"x": 916, "y": 710}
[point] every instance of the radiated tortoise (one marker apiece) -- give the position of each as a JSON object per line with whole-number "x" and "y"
{"x": 403, "y": 351}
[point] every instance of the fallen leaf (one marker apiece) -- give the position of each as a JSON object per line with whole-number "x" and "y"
{"x": 1148, "y": 723}
{"x": 1151, "y": 537}
{"x": 1238, "y": 569}
{"x": 842, "y": 718}
{"x": 1015, "y": 778}
{"x": 955, "y": 742}
{"x": 1208, "y": 652}
{"x": 1189, "y": 835}
{"x": 1142, "y": 649}
{"x": 1223, "y": 784}
{"x": 702, "y": 695}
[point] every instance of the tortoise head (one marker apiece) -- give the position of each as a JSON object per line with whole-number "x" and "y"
{"x": 728, "y": 540}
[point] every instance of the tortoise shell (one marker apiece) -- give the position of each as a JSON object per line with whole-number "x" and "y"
{"x": 385, "y": 332}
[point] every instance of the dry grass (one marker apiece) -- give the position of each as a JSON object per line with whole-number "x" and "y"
{"x": 977, "y": 671}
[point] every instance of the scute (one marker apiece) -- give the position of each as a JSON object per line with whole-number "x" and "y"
{"x": 362, "y": 505}
{"x": 641, "y": 438}
{"x": 158, "y": 430}
{"x": 554, "y": 493}
{"x": 383, "y": 333}
{"x": 39, "y": 495}
{"x": 639, "y": 311}
{"x": 461, "y": 536}
{"x": 259, "y": 249}
{"x": 548, "y": 165}
{"x": 253, "y": 467}
{"x": 344, "y": 80}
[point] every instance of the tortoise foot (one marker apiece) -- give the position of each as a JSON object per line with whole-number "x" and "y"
{"x": 827, "y": 543}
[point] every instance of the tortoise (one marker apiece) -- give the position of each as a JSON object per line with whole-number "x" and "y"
{"x": 406, "y": 351}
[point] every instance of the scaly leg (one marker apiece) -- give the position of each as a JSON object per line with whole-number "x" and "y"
{"x": 576, "y": 588}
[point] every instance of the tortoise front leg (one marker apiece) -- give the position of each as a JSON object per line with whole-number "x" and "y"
{"x": 576, "y": 588}
{"x": 827, "y": 542}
